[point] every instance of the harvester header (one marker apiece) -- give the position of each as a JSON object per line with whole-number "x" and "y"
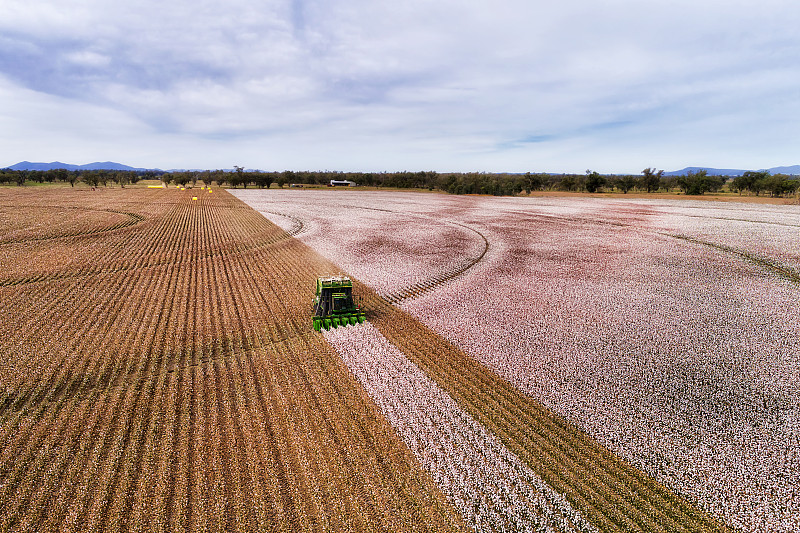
{"x": 334, "y": 305}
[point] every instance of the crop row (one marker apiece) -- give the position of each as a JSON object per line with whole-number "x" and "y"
{"x": 172, "y": 381}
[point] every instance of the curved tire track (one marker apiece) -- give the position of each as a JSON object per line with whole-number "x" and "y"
{"x": 417, "y": 289}
{"x": 133, "y": 219}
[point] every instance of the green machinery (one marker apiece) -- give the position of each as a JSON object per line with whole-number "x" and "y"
{"x": 334, "y": 305}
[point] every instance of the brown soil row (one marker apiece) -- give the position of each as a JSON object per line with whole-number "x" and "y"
{"x": 172, "y": 381}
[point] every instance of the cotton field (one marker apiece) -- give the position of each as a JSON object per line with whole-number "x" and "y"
{"x": 667, "y": 330}
{"x": 489, "y": 485}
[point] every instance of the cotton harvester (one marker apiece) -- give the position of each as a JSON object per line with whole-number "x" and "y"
{"x": 334, "y": 305}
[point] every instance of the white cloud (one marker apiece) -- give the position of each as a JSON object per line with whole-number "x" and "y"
{"x": 517, "y": 86}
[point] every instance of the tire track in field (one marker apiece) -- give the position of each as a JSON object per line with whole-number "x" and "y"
{"x": 775, "y": 267}
{"x": 418, "y": 289}
{"x": 422, "y": 287}
{"x": 298, "y": 226}
{"x": 133, "y": 219}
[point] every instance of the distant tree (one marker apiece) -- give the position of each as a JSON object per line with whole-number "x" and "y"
{"x": 102, "y": 176}
{"x": 593, "y": 181}
{"x": 180, "y": 178}
{"x": 779, "y": 185}
{"x": 239, "y": 177}
{"x": 121, "y": 177}
{"x": 90, "y": 178}
{"x": 625, "y": 183}
{"x": 533, "y": 182}
{"x": 205, "y": 177}
{"x": 36, "y": 176}
{"x": 59, "y": 174}
{"x": 221, "y": 177}
{"x": 752, "y": 181}
{"x": 263, "y": 180}
{"x": 568, "y": 182}
{"x": 700, "y": 182}
{"x": 651, "y": 179}
{"x": 283, "y": 178}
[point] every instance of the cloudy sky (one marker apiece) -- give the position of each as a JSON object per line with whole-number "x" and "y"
{"x": 466, "y": 85}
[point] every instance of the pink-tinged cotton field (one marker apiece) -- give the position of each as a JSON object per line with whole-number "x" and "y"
{"x": 405, "y": 248}
{"x": 491, "y": 487}
{"x": 668, "y": 330}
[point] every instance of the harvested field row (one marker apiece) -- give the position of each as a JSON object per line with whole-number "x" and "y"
{"x": 189, "y": 393}
{"x": 30, "y": 223}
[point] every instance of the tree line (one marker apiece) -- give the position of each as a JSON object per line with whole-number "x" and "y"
{"x": 94, "y": 178}
{"x": 499, "y": 184}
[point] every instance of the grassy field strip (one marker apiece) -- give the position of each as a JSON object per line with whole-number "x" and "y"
{"x": 490, "y": 486}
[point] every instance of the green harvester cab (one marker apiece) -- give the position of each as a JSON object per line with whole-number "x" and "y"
{"x": 334, "y": 305}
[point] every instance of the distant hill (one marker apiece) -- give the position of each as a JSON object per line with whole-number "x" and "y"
{"x": 106, "y": 165}
{"x": 792, "y": 170}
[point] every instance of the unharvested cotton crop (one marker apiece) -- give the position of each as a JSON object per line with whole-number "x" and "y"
{"x": 491, "y": 487}
{"x": 669, "y": 330}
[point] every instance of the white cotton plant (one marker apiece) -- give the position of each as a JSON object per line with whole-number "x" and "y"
{"x": 489, "y": 485}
